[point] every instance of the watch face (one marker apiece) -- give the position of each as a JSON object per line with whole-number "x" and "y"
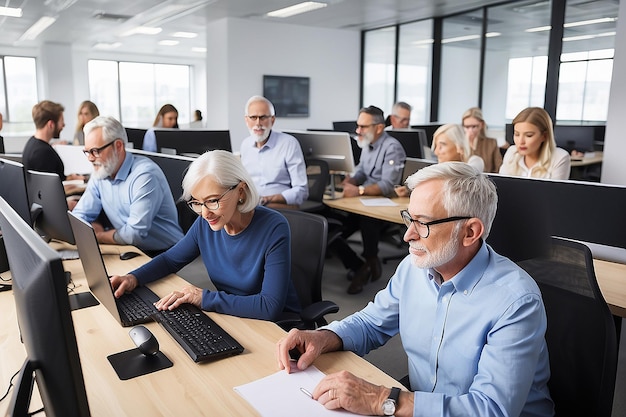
{"x": 389, "y": 407}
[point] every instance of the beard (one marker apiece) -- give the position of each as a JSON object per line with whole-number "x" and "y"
{"x": 263, "y": 136}
{"x": 104, "y": 169}
{"x": 57, "y": 132}
{"x": 434, "y": 259}
{"x": 365, "y": 140}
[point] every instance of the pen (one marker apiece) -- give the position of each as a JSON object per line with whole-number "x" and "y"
{"x": 306, "y": 392}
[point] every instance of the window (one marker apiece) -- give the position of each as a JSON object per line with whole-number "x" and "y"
{"x": 379, "y": 68}
{"x": 19, "y": 74}
{"x": 134, "y": 92}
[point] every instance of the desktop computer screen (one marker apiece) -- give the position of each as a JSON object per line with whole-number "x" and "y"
{"x": 333, "y": 147}
{"x": 430, "y": 129}
{"x": 135, "y": 136}
{"x": 48, "y": 206}
{"x": 197, "y": 142}
{"x": 412, "y": 140}
{"x": 13, "y": 188}
{"x": 580, "y": 138}
{"x": 45, "y": 323}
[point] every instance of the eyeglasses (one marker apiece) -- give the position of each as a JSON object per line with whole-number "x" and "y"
{"x": 423, "y": 229}
{"x": 471, "y": 127}
{"x": 95, "y": 152}
{"x": 210, "y": 204}
{"x": 259, "y": 118}
{"x": 401, "y": 119}
{"x": 364, "y": 126}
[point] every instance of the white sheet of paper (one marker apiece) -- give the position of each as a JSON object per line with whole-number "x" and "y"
{"x": 380, "y": 202}
{"x": 279, "y": 395}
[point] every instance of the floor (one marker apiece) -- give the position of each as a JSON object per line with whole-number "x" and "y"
{"x": 390, "y": 358}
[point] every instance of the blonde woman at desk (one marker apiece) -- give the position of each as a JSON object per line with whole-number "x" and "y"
{"x": 87, "y": 111}
{"x": 535, "y": 153}
{"x": 244, "y": 247}
{"x": 480, "y": 145}
{"x": 450, "y": 144}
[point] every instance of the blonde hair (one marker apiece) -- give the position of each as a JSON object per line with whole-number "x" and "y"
{"x": 476, "y": 113}
{"x": 457, "y": 136}
{"x": 541, "y": 119}
{"x": 93, "y": 110}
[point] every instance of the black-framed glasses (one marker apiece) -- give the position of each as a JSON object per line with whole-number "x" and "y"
{"x": 259, "y": 118}
{"x": 210, "y": 204}
{"x": 95, "y": 152}
{"x": 365, "y": 126}
{"x": 423, "y": 228}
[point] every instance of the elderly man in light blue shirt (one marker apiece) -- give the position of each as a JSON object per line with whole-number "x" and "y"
{"x": 471, "y": 321}
{"x": 131, "y": 190}
{"x": 273, "y": 159}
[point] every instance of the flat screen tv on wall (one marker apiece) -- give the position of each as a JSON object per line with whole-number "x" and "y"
{"x": 289, "y": 95}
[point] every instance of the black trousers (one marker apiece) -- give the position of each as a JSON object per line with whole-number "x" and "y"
{"x": 370, "y": 232}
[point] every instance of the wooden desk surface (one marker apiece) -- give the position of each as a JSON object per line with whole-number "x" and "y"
{"x": 588, "y": 160}
{"x": 354, "y": 205}
{"x": 187, "y": 388}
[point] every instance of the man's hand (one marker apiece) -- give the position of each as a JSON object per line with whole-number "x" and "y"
{"x": 344, "y": 390}
{"x": 310, "y": 344}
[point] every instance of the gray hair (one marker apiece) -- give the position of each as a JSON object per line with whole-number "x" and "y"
{"x": 255, "y": 99}
{"x": 227, "y": 170}
{"x": 111, "y": 129}
{"x": 401, "y": 105}
{"x": 466, "y": 192}
{"x": 457, "y": 136}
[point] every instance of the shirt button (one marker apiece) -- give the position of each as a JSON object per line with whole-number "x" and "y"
{"x": 465, "y": 292}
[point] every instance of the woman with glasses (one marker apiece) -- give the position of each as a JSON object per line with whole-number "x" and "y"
{"x": 535, "y": 153}
{"x": 480, "y": 145}
{"x": 245, "y": 247}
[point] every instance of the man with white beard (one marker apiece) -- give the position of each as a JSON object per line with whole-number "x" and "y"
{"x": 131, "y": 190}
{"x": 379, "y": 170}
{"x": 273, "y": 159}
{"x": 472, "y": 322}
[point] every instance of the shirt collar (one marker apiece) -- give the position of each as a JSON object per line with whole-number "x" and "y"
{"x": 124, "y": 170}
{"x": 271, "y": 141}
{"x": 466, "y": 279}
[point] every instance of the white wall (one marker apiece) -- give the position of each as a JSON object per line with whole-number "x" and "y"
{"x": 240, "y": 52}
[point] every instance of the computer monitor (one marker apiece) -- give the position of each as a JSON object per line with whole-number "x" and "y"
{"x": 570, "y": 137}
{"x": 412, "y": 140}
{"x": 333, "y": 147}
{"x": 173, "y": 166}
{"x": 194, "y": 141}
{"x": 349, "y": 126}
{"x": 45, "y": 323}
{"x": 48, "y": 206}
{"x": 13, "y": 188}
{"x": 412, "y": 165}
{"x": 135, "y": 136}
{"x": 508, "y": 134}
{"x": 430, "y": 129}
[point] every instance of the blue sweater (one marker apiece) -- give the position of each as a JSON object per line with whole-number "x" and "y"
{"x": 251, "y": 270}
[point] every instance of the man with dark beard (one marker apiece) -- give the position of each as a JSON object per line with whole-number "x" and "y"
{"x": 131, "y": 190}
{"x": 37, "y": 154}
{"x": 273, "y": 159}
{"x": 472, "y": 322}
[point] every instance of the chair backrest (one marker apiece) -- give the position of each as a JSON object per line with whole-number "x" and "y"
{"x": 1, "y": 144}
{"x": 581, "y": 334}
{"x": 308, "y": 252}
{"x": 318, "y": 176}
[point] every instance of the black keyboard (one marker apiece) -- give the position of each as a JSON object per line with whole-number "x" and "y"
{"x": 197, "y": 333}
{"x": 134, "y": 310}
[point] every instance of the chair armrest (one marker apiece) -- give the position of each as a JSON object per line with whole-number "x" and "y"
{"x": 316, "y": 311}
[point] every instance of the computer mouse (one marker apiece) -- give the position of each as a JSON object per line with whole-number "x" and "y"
{"x": 144, "y": 340}
{"x": 124, "y": 256}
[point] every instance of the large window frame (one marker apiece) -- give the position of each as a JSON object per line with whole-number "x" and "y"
{"x": 18, "y": 93}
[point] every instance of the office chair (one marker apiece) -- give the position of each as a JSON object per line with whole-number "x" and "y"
{"x": 318, "y": 176}
{"x": 186, "y": 216}
{"x": 581, "y": 334}
{"x": 308, "y": 250}
{"x": 1, "y": 144}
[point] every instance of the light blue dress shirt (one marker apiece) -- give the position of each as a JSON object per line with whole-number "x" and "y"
{"x": 475, "y": 345}
{"x": 138, "y": 202}
{"x": 381, "y": 163}
{"x": 278, "y": 167}
{"x": 149, "y": 141}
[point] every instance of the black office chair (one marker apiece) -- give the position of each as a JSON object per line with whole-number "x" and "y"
{"x": 308, "y": 250}
{"x": 581, "y": 333}
{"x": 1, "y": 144}
{"x": 186, "y": 216}
{"x": 318, "y": 176}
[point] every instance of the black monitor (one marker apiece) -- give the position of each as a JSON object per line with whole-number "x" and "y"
{"x": 45, "y": 323}
{"x": 135, "y": 136}
{"x": 173, "y": 166}
{"x": 196, "y": 142}
{"x": 333, "y": 147}
{"x": 430, "y": 129}
{"x": 570, "y": 137}
{"x": 13, "y": 188}
{"x": 348, "y": 126}
{"x": 412, "y": 140}
{"x": 508, "y": 133}
{"x": 48, "y": 206}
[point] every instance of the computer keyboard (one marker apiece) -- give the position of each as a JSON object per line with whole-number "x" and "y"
{"x": 134, "y": 310}
{"x": 197, "y": 333}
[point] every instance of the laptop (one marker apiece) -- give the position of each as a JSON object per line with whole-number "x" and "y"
{"x": 412, "y": 165}
{"x": 130, "y": 309}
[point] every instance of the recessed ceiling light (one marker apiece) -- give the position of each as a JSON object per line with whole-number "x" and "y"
{"x": 168, "y": 42}
{"x": 107, "y": 45}
{"x": 198, "y": 49}
{"x": 142, "y": 30}
{"x": 187, "y": 35}
{"x": 10, "y": 11}
{"x": 303, "y": 7}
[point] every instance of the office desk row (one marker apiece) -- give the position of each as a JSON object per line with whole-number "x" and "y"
{"x": 187, "y": 388}
{"x": 611, "y": 276}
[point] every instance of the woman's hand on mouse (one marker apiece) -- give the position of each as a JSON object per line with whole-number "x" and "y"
{"x": 189, "y": 295}
{"x": 123, "y": 283}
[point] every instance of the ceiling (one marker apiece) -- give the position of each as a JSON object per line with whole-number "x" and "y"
{"x": 85, "y": 23}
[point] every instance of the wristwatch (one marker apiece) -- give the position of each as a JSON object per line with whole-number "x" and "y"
{"x": 389, "y": 405}
{"x": 361, "y": 190}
